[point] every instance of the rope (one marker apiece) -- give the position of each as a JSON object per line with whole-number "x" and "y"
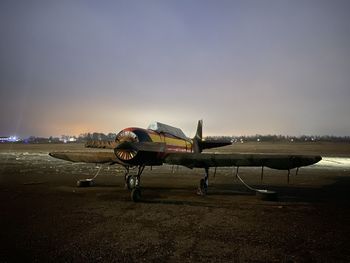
{"x": 249, "y": 187}
{"x": 99, "y": 169}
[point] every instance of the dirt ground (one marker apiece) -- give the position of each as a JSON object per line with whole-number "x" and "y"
{"x": 44, "y": 217}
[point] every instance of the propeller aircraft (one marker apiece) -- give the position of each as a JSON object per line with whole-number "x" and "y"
{"x": 163, "y": 144}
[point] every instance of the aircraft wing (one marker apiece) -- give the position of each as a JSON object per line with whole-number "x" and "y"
{"x": 274, "y": 161}
{"x": 86, "y": 157}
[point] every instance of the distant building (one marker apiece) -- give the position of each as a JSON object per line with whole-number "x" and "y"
{"x": 9, "y": 139}
{"x": 66, "y": 138}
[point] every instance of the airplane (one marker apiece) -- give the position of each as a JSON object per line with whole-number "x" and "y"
{"x": 163, "y": 144}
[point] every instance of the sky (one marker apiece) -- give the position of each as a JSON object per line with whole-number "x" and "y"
{"x": 244, "y": 67}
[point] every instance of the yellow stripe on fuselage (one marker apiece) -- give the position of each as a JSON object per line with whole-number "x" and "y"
{"x": 170, "y": 141}
{"x": 155, "y": 138}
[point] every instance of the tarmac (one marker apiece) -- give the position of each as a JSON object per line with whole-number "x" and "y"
{"x": 45, "y": 217}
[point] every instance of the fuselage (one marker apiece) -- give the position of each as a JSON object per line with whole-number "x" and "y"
{"x": 172, "y": 143}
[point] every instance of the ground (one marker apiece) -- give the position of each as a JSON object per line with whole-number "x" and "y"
{"x": 44, "y": 217}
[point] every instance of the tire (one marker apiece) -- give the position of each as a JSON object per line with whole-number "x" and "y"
{"x": 203, "y": 188}
{"x": 136, "y": 195}
{"x": 131, "y": 182}
{"x": 127, "y": 182}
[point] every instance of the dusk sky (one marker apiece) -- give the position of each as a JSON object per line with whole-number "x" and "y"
{"x": 244, "y": 67}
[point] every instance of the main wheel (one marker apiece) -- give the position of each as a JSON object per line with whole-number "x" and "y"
{"x": 131, "y": 182}
{"x": 136, "y": 194}
{"x": 203, "y": 188}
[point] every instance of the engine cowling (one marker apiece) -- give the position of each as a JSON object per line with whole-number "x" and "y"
{"x": 125, "y": 154}
{"x": 134, "y": 147}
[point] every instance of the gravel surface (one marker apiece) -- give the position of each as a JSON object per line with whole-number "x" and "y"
{"x": 44, "y": 217}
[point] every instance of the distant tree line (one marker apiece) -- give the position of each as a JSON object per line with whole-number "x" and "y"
{"x": 96, "y": 136}
{"x": 280, "y": 138}
{"x": 82, "y": 138}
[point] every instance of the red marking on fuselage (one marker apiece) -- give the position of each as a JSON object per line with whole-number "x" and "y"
{"x": 173, "y": 148}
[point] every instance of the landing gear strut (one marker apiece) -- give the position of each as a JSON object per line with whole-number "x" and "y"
{"x": 203, "y": 183}
{"x": 132, "y": 182}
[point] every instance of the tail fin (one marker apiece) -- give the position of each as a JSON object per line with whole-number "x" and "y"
{"x": 197, "y": 140}
{"x": 199, "y": 144}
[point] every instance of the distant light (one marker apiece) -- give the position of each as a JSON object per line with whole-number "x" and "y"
{"x": 66, "y": 139}
{"x": 13, "y": 138}
{"x": 258, "y": 140}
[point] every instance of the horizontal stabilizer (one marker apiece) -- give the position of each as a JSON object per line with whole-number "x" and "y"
{"x": 213, "y": 144}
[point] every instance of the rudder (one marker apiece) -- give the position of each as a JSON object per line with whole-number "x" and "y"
{"x": 197, "y": 140}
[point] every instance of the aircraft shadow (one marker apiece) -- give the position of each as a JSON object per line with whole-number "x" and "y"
{"x": 176, "y": 202}
{"x": 337, "y": 191}
{"x": 164, "y": 195}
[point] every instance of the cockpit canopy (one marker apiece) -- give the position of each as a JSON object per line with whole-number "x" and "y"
{"x": 164, "y": 128}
